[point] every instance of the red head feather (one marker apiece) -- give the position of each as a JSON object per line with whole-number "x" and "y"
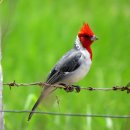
{"x": 85, "y": 30}
{"x": 85, "y": 35}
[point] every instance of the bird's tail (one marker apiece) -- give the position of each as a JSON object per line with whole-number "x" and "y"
{"x": 46, "y": 91}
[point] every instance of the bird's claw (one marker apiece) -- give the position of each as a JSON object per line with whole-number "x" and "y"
{"x": 69, "y": 88}
{"x": 77, "y": 88}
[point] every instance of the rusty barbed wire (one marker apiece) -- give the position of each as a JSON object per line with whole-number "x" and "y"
{"x": 42, "y": 84}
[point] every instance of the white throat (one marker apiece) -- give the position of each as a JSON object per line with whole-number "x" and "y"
{"x": 78, "y": 44}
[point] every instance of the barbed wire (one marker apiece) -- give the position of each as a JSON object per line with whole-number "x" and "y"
{"x": 67, "y": 114}
{"x": 42, "y": 84}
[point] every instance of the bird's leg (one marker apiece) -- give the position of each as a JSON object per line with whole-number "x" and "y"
{"x": 77, "y": 88}
{"x": 67, "y": 88}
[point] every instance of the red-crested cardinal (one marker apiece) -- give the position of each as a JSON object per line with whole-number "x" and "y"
{"x": 73, "y": 66}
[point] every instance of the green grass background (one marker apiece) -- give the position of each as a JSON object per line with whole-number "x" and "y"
{"x": 37, "y": 33}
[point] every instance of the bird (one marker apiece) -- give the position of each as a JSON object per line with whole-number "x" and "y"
{"x": 72, "y": 67}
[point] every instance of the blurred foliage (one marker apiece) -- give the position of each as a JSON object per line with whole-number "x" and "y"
{"x": 37, "y": 33}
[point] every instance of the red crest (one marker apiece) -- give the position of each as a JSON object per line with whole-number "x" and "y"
{"x": 85, "y": 30}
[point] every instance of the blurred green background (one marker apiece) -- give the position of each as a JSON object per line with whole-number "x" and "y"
{"x": 37, "y": 33}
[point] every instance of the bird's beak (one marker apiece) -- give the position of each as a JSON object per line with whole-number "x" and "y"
{"x": 94, "y": 38}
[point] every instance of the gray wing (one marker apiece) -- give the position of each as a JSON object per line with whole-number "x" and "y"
{"x": 68, "y": 63}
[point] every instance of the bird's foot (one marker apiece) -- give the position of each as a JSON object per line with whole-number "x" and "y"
{"x": 68, "y": 88}
{"x": 71, "y": 88}
{"x": 77, "y": 88}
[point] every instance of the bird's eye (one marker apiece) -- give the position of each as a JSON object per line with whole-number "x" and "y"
{"x": 86, "y": 36}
